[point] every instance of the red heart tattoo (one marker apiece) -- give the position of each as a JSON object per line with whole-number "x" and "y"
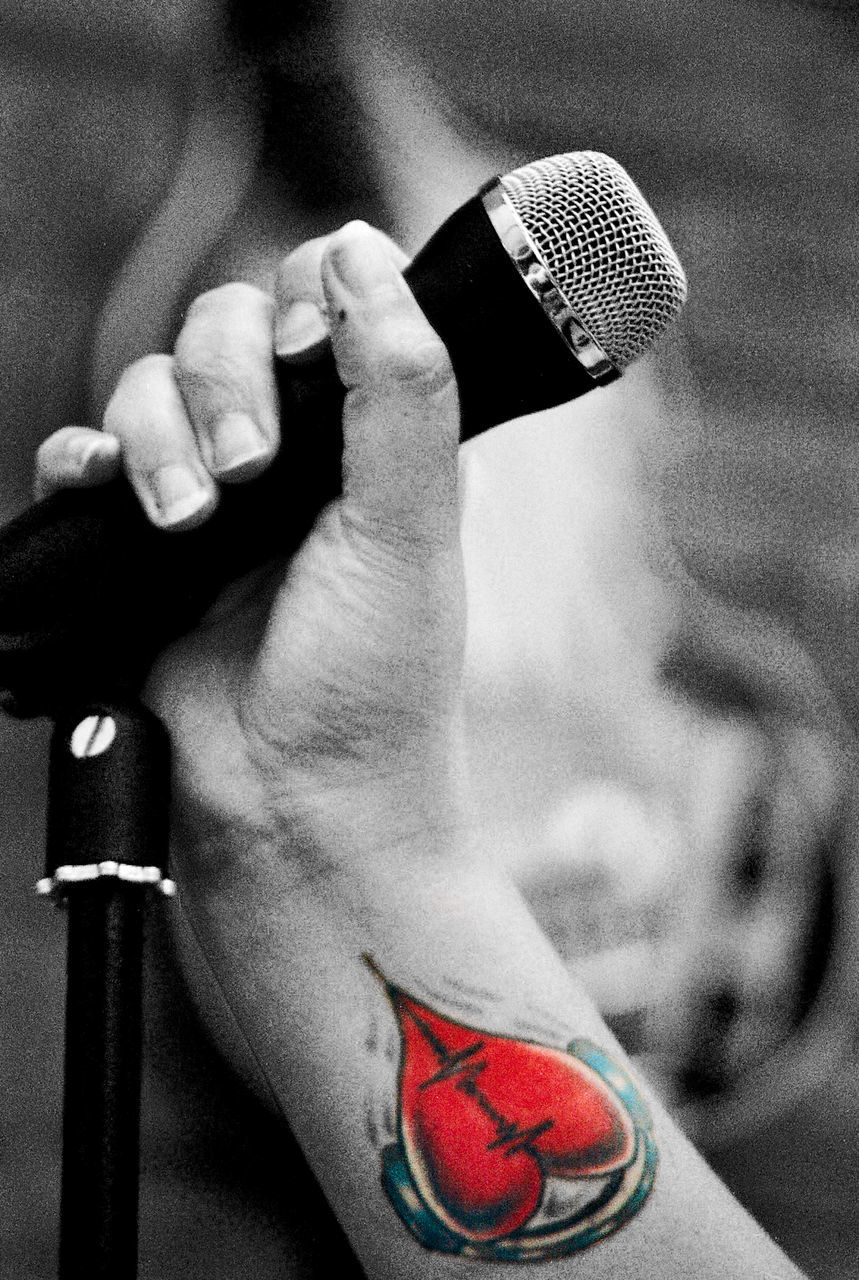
{"x": 486, "y": 1119}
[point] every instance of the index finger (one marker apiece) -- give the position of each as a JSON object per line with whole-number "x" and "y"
{"x": 301, "y": 313}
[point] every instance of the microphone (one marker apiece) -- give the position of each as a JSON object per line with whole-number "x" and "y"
{"x": 544, "y": 285}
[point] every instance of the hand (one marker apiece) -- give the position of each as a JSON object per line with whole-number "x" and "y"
{"x": 311, "y": 712}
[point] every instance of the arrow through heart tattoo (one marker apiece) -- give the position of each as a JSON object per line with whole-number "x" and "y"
{"x": 509, "y": 1150}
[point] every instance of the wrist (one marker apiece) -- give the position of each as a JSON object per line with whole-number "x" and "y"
{"x": 358, "y": 820}
{"x": 331, "y": 822}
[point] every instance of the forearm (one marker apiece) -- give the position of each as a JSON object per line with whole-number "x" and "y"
{"x": 325, "y": 979}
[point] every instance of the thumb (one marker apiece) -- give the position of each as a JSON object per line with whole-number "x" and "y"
{"x": 401, "y": 414}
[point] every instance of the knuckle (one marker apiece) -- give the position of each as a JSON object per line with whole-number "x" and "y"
{"x": 212, "y": 375}
{"x": 151, "y": 367}
{"x": 299, "y": 273}
{"x": 345, "y": 236}
{"x": 217, "y": 305}
{"x": 56, "y": 445}
{"x": 287, "y": 267}
{"x": 47, "y": 452}
{"x": 142, "y": 376}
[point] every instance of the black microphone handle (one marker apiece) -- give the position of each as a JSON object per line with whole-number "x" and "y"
{"x": 90, "y": 591}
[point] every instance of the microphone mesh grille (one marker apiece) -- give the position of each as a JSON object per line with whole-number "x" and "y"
{"x": 603, "y": 246}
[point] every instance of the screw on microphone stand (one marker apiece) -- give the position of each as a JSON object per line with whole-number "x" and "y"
{"x": 106, "y": 851}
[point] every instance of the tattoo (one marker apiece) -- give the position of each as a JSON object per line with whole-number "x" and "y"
{"x": 508, "y": 1149}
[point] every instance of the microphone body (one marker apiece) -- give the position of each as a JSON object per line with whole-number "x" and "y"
{"x": 90, "y": 591}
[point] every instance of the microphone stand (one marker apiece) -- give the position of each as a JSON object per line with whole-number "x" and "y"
{"x": 107, "y": 838}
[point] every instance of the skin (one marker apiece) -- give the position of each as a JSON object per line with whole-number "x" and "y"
{"x": 315, "y": 722}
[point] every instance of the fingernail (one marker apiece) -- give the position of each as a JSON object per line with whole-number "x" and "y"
{"x": 236, "y": 442}
{"x": 361, "y": 262}
{"x": 299, "y": 327}
{"x": 174, "y": 494}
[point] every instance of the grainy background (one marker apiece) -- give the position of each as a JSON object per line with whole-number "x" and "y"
{"x": 742, "y": 118}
